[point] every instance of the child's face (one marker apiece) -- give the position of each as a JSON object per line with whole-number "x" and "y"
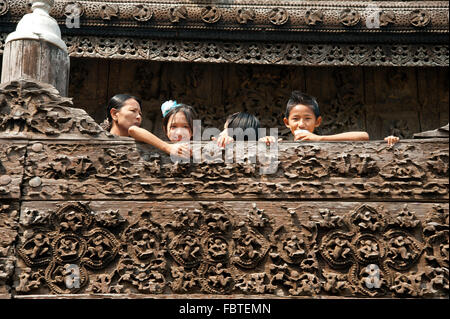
{"x": 178, "y": 128}
{"x": 302, "y": 117}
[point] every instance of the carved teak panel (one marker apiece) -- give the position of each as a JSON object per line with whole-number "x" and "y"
{"x": 84, "y": 213}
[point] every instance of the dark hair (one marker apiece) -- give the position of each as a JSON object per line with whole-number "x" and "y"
{"x": 188, "y": 111}
{"x": 297, "y": 98}
{"x": 116, "y": 102}
{"x": 243, "y": 121}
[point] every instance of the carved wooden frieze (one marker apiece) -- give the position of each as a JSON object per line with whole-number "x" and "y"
{"x": 286, "y": 53}
{"x": 267, "y": 15}
{"x": 36, "y": 109}
{"x": 283, "y": 249}
{"x": 340, "y": 170}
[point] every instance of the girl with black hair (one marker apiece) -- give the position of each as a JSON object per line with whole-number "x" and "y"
{"x": 241, "y": 126}
{"x": 178, "y": 121}
{"x": 124, "y": 117}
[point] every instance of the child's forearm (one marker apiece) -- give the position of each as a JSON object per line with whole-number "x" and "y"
{"x": 142, "y": 135}
{"x": 347, "y": 136}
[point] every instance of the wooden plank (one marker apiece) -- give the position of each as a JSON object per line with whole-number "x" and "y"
{"x": 16, "y": 60}
{"x": 46, "y": 63}
{"x": 31, "y": 59}
{"x": 6, "y": 62}
{"x": 61, "y": 70}
{"x": 429, "y": 93}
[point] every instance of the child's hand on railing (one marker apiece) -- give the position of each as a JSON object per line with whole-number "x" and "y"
{"x": 269, "y": 140}
{"x": 304, "y": 135}
{"x": 223, "y": 139}
{"x": 180, "y": 150}
{"x": 391, "y": 140}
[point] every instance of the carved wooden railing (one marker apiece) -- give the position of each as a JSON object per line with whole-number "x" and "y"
{"x": 87, "y": 214}
{"x": 284, "y": 32}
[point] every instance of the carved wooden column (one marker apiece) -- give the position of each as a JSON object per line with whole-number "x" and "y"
{"x": 35, "y": 50}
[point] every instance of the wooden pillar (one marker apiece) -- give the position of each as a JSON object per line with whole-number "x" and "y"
{"x": 36, "y": 51}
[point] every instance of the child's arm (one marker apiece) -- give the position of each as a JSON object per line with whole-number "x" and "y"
{"x": 347, "y": 136}
{"x": 142, "y": 135}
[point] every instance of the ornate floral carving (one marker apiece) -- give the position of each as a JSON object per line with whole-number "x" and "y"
{"x": 278, "y": 16}
{"x": 402, "y": 250}
{"x": 67, "y": 249}
{"x": 37, "y": 108}
{"x": 419, "y": 18}
{"x": 212, "y": 250}
{"x": 366, "y": 218}
{"x": 349, "y": 17}
{"x": 337, "y": 249}
{"x": 285, "y": 53}
{"x": 211, "y": 14}
{"x": 142, "y": 12}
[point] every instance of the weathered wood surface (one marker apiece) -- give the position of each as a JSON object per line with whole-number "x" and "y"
{"x": 36, "y": 60}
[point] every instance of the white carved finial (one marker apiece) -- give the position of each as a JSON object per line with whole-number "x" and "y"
{"x": 45, "y": 5}
{"x": 39, "y": 25}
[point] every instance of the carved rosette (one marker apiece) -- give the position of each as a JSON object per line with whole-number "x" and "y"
{"x": 349, "y": 17}
{"x": 278, "y": 16}
{"x": 403, "y": 250}
{"x": 249, "y": 248}
{"x": 142, "y": 13}
{"x": 68, "y": 248}
{"x": 211, "y": 14}
{"x": 419, "y": 18}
